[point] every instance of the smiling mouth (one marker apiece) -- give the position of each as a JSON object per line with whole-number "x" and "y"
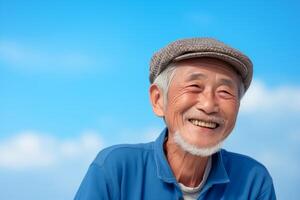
{"x": 204, "y": 124}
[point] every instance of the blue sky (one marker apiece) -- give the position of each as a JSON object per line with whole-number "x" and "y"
{"x": 74, "y": 79}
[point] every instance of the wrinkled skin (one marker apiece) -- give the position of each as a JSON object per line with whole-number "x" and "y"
{"x": 202, "y": 89}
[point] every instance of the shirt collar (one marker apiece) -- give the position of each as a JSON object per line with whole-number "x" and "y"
{"x": 217, "y": 175}
{"x": 164, "y": 171}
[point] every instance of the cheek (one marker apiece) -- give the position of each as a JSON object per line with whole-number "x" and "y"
{"x": 230, "y": 109}
{"x": 181, "y": 100}
{"x": 176, "y": 107}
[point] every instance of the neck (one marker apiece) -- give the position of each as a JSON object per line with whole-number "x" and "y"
{"x": 187, "y": 168}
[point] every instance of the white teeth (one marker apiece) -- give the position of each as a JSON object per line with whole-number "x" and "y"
{"x": 204, "y": 124}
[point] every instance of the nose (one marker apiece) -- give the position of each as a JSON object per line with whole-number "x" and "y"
{"x": 207, "y": 103}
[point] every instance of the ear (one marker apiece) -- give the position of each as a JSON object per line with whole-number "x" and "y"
{"x": 157, "y": 100}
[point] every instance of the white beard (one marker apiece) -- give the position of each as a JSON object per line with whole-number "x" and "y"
{"x": 194, "y": 150}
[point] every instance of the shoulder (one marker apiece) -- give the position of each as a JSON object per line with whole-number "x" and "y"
{"x": 113, "y": 169}
{"x": 248, "y": 173}
{"x": 123, "y": 153}
{"x": 246, "y": 169}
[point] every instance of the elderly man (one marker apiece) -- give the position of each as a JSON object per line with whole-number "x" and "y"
{"x": 196, "y": 87}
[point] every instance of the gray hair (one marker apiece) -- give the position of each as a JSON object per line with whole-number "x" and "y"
{"x": 163, "y": 81}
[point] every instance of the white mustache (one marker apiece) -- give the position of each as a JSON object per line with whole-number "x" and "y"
{"x": 207, "y": 118}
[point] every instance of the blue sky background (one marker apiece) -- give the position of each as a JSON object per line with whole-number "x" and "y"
{"x": 74, "y": 79}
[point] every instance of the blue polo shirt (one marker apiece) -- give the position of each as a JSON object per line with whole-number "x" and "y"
{"x": 141, "y": 171}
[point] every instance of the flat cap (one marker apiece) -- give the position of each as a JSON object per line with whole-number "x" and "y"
{"x": 201, "y": 47}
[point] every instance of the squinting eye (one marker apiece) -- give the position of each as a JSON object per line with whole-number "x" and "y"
{"x": 225, "y": 94}
{"x": 195, "y": 88}
{"x": 224, "y": 91}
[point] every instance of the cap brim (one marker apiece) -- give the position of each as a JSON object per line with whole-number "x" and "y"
{"x": 237, "y": 64}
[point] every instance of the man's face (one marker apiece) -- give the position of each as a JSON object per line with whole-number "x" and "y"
{"x": 203, "y": 101}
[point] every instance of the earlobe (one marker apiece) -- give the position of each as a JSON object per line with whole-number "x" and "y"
{"x": 157, "y": 100}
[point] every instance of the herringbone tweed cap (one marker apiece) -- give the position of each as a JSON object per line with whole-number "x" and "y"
{"x": 201, "y": 47}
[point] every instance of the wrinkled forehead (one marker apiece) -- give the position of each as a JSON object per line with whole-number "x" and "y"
{"x": 201, "y": 67}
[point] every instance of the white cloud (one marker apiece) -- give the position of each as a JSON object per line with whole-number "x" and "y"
{"x": 88, "y": 142}
{"x": 295, "y": 136}
{"x": 151, "y": 134}
{"x": 260, "y": 98}
{"x": 30, "y": 149}
{"x": 27, "y": 58}
{"x": 278, "y": 160}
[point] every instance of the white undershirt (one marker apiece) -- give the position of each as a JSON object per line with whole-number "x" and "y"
{"x": 192, "y": 193}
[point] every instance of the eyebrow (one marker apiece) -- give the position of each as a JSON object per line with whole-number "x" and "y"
{"x": 199, "y": 76}
{"x": 227, "y": 82}
{"x": 195, "y": 76}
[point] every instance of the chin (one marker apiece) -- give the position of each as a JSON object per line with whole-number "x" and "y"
{"x": 194, "y": 149}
